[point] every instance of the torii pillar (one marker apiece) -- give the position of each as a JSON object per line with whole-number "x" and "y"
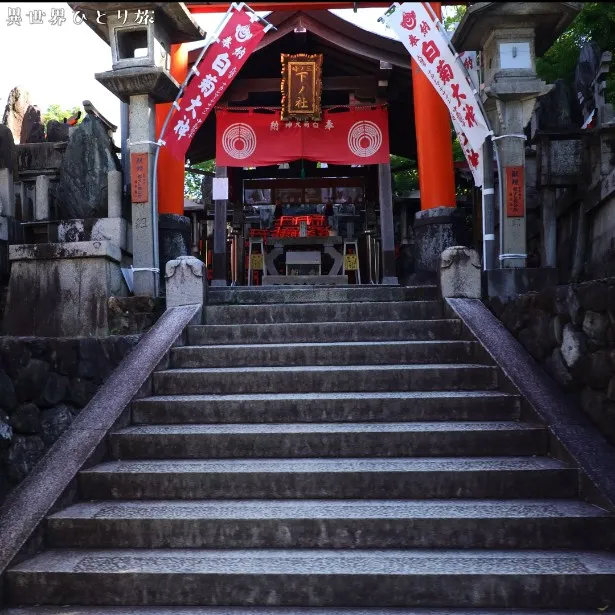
{"x": 434, "y": 224}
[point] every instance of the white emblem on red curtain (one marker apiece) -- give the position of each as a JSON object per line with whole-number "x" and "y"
{"x": 364, "y": 139}
{"x": 239, "y": 141}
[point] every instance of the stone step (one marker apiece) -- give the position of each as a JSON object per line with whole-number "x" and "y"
{"x": 272, "y": 577}
{"x": 325, "y": 353}
{"x": 424, "y": 478}
{"x": 327, "y": 407}
{"x": 327, "y": 378}
{"x": 328, "y": 440}
{"x": 325, "y": 332}
{"x": 322, "y": 312}
{"x": 332, "y": 524}
{"x": 320, "y": 294}
{"x": 174, "y": 610}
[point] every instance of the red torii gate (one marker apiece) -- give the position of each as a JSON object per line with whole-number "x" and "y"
{"x": 432, "y": 119}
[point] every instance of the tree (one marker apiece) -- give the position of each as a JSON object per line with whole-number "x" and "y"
{"x": 56, "y": 112}
{"x": 192, "y": 181}
{"x": 595, "y": 22}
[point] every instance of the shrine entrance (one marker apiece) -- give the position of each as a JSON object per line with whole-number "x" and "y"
{"x": 308, "y": 202}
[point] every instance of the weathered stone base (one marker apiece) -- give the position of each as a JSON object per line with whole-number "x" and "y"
{"x": 508, "y": 283}
{"x": 61, "y": 289}
{"x": 115, "y": 230}
{"x": 435, "y": 230}
{"x": 174, "y": 240}
{"x": 311, "y": 280}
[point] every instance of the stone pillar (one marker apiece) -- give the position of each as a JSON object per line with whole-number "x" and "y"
{"x": 220, "y": 257}
{"x": 389, "y": 275}
{"x": 115, "y": 191}
{"x": 41, "y": 198}
{"x": 549, "y": 228}
{"x": 460, "y": 273}
{"x": 141, "y": 137}
{"x": 7, "y": 193}
{"x": 174, "y": 233}
{"x": 185, "y": 281}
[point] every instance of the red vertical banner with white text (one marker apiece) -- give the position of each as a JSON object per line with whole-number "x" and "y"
{"x": 214, "y": 73}
{"x": 420, "y": 34}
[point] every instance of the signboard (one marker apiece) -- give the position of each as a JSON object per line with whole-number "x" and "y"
{"x": 351, "y": 262}
{"x": 429, "y": 47}
{"x": 515, "y": 192}
{"x": 139, "y": 186}
{"x": 357, "y": 136}
{"x": 256, "y": 262}
{"x": 220, "y": 189}
{"x": 217, "y": 68}
{"x": 301, "y": 86}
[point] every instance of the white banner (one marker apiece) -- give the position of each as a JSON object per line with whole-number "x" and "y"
{"x": 416, "y": 29}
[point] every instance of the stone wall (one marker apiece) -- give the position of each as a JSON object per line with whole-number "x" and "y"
{"x": 44, "y": 383}
{"x": 570, "y": 331}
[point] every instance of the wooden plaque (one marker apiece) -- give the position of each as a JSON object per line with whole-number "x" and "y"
{"x": 515, "y": 192}
{"x": 139, "y": 167}
{"x": 301, "y": 86}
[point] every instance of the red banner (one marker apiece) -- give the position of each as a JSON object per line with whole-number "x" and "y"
{"x": 217, "y": 68}
{"x": 253, "y": 139}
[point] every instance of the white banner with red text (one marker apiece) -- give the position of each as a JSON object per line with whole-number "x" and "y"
{"x": 220, "y": 63}
{"x": 429, "y": 47}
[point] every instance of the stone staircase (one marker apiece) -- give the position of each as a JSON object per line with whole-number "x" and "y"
{"x": 350, "y": 447}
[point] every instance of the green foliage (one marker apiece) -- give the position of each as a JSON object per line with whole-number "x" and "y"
{"x": 192, "y": 181}
{"x": 56, "y": 112}
{"x": 595, "y": 22}
{"x": 405, "y": 174}
{"x": 451, "y": 16}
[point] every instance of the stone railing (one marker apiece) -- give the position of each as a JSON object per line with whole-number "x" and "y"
{"x": 570, "y": 331}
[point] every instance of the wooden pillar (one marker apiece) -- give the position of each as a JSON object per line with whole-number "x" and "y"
{"x": 433, "y": 140}
{"x": 220, "y": 257}
{"x": 387, "y": 232}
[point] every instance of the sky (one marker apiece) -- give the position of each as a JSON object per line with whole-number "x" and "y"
{"x": 56, "y": 63}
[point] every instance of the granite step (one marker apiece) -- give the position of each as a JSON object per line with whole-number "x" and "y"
{"x": 325, "y": 379}
{"x": 322, "y": 294}
{"x": 300, "y": 577}
{"x": 322, "y": 312}
{"x": 380, "y": 478}
{"x": 325, "y": 332}
{"x": 332, "y": 524}
{"x": 331, "y": 353}
{"x": 416, "y": 439}
{"x": 327, "y": 407}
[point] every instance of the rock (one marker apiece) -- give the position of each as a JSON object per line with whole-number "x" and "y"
{"x": 6, "y": 432}
{"x": 557, "y": 325}
{"x": 89, "y": 156}
{"x": 8, "y": 155}
{"x": 185, "y": 283}
{"x": 81, "y": 391}
{"x": 16, "y": 106}
{"x": 556, "y": 367}
{"x": 497, "y": 306}
{"x": 575, "y": 310}
{"x": 595, "y": 326}
{"x": 610, "y": 392}
{"x": 593, "y": 296}
{"x": 15, "y": 355}
{"x": 538, "y": 337}
{"x": 26, "y": 419}
{"x": 573, "y": 346}
{"x": 32, "y": 128}
{"x": 598, "y": 370}
{"x": 64, "y": 356}
{"x": 31, "y": 380}
{"x": 23, "y": 454}
{"x": 54, "y": 390}
{"x": 54, "y": 422}
{"x": 8, "y": 398}
{"x": 460, "y": 273}
{"x": 57, "y": 131}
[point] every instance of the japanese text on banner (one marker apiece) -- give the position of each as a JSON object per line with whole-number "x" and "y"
{"x": 219, "y": 65}
{"x": 416, "y": 29}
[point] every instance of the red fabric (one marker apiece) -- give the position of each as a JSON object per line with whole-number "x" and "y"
{"x": 253, "y": 139}
{"x": 217, "y": 68}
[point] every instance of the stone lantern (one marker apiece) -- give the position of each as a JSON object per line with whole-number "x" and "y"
{"x": 510, "y": 35}
{"x": 140, "y": 35}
